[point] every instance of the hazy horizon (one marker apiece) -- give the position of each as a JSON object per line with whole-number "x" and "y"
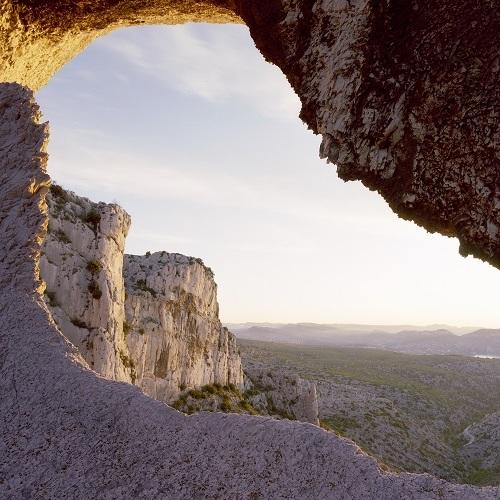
{"x": 197, "y": 137}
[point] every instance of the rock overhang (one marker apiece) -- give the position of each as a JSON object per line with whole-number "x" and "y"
{"x": 404, "y": 94}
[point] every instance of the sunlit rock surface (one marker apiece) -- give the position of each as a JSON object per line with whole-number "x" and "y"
{"x": 81, "y": 263}
{"x": 175, "y": 338}
{"x": 159, "y": 328}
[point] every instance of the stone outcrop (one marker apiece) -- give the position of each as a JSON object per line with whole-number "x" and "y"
{"x": 404, "y": 94}
{"x": 150, "y": 320}
{"x": 67, "y": 432}
{"x": 277, "y": 391}
{"x": 482, "y": 443}
{"x": 175, "y": 338}
{"x": 81, "y": 263}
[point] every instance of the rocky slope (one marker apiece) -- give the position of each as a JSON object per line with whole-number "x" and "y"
{"x": 174, "y": 335}
{"x": 67, "y": 433}
{"x": 281, "y": 392}
{"x": 407, "y": 410}
{"x": 482, "y": 447}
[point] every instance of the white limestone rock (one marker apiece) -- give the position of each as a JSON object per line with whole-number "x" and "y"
{"x": 166, "y": 336}
{"x": 176, "y": 340}
{"x": 81, "y": 263}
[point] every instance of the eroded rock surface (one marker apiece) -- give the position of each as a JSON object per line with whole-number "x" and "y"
{"x": 176, "y": 340}
{"x": 282, "y": 392}
{"x": 82, "y": 264}
{"x": 150, "y": 320}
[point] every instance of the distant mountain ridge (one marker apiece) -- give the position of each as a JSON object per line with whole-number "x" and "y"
{"x": 413, "y": 340}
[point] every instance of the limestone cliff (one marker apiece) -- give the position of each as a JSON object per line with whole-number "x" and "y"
{"x": 81, "y": 263}
{"x": 159, "y": 328}
{"x": 175, "y": 338}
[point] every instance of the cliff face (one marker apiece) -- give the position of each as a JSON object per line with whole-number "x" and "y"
{"x": 81, "y": 263}
{"x": 175, "y": 338}
{"x": 159, "y": 328}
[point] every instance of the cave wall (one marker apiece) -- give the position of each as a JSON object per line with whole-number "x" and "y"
{"x": 404, "y": 94}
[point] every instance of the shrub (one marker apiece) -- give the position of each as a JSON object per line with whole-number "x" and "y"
{"x": 129, "y": 363}
{"x": 58, "y": 192}
{"x": 94, "y": 266}
{"x": 94, "y": 290}
{"x": 51, "y": 296}
{"x": 148, "y": 254}
{"x": 210, "y": 389}
{"x": 245, "y": 405}
{"x": 196, "y": 394}
{"x": 61, "y": 236}
{"x": 182, "y": 387}
{"x": 251, "y": 392}
{"x": 141, "y": 332}
{"x": 79, "y": 323}
{"x": 226, "y": 404}
{"x": 126, "y": 328}
{"x": 141, "y": 285}
{"x": 93, "y": 217}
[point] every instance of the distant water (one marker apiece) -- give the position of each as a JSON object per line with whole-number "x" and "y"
{"x": 486, "y": 356}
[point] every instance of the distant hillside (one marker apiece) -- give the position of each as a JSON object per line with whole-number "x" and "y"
{"x": 412, "y": 340}
{"x": 409, "y": 411}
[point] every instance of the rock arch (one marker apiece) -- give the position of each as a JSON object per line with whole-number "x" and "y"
{"x": 405, "y": 95}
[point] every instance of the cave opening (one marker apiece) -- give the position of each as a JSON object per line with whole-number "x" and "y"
{"x": 197, "y": 136}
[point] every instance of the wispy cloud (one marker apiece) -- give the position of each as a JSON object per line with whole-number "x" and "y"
{"x": 214, "y": 65}
{"x": 125, "y": 175}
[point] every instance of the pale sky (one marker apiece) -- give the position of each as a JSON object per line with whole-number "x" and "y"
{"x": 198, "y": 138}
